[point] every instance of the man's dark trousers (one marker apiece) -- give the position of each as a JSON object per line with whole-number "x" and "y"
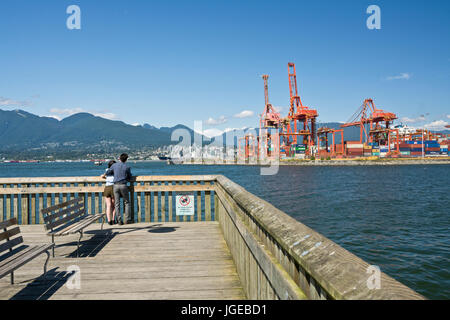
{"x": 121, "y": 190}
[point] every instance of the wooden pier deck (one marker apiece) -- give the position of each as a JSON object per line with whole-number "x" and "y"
{"x": 235, "y": 246}
{"x": 176, "y": 260}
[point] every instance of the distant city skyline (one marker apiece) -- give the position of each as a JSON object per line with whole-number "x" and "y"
{"x": 175, "y": 62}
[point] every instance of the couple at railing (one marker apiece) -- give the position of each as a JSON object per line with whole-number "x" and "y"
{"x": 117, "y": 177}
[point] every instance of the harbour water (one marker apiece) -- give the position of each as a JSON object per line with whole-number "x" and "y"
{"x": 395, "y": 217}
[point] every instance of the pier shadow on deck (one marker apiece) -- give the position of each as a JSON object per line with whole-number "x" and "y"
{"x": 139, "y": 261}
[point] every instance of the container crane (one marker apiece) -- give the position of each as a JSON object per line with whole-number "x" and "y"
{"x": 301, "y": 120}
{"x": 270, "y": 119}
{"x": 368, "y": 114}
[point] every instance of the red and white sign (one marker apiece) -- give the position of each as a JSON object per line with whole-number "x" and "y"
{"x": 185, "y": 205}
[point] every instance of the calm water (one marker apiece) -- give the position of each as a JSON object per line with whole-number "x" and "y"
{"x": 396, "y": 217}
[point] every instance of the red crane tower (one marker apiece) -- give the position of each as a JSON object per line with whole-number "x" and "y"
{"x": 270, "y": 119}
{"x": 301, "y": 120}
{"x": 367, "y": 113}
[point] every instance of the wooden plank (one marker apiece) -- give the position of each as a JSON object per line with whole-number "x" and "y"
{"x": 96, "y": 203}
{"x": 9, "y": 233}
{"x": 53, "y": 216}
{"x": 10, "y": 244}
{"x": 170, "y": 204}
{"x": 89, "y": 203}
{"x": 82, "y": 224}
{"x": 64, "y": 220}
{"x": 132, "y": 207}
{"x": 207, "y": 205}
{"x": 148, "y": 206}
{"x": 49, "y": 201}
{"x": 24, "y": 209}
{"x": 72, "y": 194}
{"x": 155, "y": 207}
{"x": 14, "y": 254}
{"x": 163, "y": 206}
{"x": 139, "y": 207}
{"x": 97, "y": 179}
{"x": 199, "y": 205}
{"x": 65, "y": 186}
{"x": 216, "y": 202}
{"x": 8, "y": 203}
{"x": 3, "y": 212}
{"x": 33, "y": 208}
{"x": 183, "y": 218}
{"x": 40, "y": 208}
{"x": 177, "y": 217}
{"x": 93, "y": 189}
{"x": 16, "y": 207}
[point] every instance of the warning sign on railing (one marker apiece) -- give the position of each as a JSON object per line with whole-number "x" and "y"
{"x": 185, "y": 204}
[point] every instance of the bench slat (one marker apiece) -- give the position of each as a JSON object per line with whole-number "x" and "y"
{"x": 11, "y": 243}
{"x": 62, "y": 205}
{"x": 8, "y": 257}
{"x": 64, "y": 220}
{"x": 68, "y": 226}
{"x": 76, "y": 226}
{"x": 8, "y": 223}
{"x": 83, "y": 224}
{"x": 49, "y": 217}
{"x": 9, "y": 233}
{"x": 17, "y": 263}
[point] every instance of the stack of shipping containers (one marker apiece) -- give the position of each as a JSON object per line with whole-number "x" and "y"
{"x": 354, "y": 149}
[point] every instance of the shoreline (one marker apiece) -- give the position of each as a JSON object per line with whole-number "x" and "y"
{"x": 340, "y": 162}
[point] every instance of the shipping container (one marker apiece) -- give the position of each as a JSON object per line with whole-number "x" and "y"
{"x": 414, "y": 153}
{"x": 355, "y": 146}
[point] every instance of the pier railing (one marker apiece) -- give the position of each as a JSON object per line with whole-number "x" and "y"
{"x": 276, "y": 257}
{"x": 152, "y": 198}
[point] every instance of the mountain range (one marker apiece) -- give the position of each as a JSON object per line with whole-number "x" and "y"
{"x": 23, "y": 134}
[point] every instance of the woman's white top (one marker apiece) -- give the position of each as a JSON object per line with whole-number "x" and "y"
{"x": 109, "y": 179}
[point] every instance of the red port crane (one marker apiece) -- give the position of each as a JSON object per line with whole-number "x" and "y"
{"x": 270, "y": 119}
{"x": 301, "y": 120}
{"x": 367, "y": 113}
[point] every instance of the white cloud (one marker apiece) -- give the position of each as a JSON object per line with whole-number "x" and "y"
{"x": 108, "y": 115}
{"x": 436, "y": 125}
{"x": 213, "y": 132}
{"x": 244, "y": 114}
{"x": 58, "y": 113}
{"x": 279, "y": 109}
{"x": 402, "y": 76}
{"x": 66, "y": 111}
{"x": 10, "y": 102}
{"x": 448, "y": 116}
{"x": 220, "y": 120}
{"x": 413, "y": 120}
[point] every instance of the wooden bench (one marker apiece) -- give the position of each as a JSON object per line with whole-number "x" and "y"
{"x": 68, "y": 218}
{"x": 17, "y": 256}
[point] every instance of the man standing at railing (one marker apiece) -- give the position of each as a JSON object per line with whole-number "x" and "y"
{"x": 122, "y": 175}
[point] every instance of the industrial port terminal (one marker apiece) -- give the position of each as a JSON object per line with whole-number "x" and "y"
{"x": 296, "y": 136}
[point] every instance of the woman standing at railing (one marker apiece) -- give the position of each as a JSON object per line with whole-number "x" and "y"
{"x": 108, "y": 193}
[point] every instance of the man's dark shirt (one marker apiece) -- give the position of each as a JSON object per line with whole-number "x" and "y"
{"x": 122, "y": 172}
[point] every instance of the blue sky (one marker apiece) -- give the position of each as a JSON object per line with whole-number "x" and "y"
{"x": 169, "y": 62}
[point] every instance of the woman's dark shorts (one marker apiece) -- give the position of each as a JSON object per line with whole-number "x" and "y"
{"x": 109, "y": 192}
